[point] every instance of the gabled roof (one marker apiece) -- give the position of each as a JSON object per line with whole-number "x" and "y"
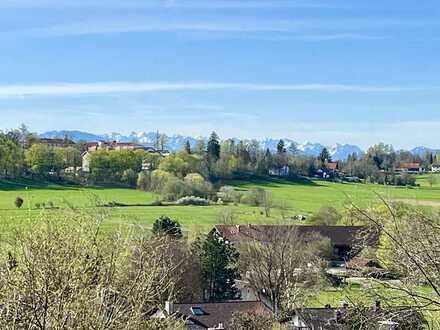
{"x": 410, "y": 165}
{"x": 332, "y": 165}
{"x": 216, "y": 313}
{"x": 57, "y": 141}
{"x": 338, "y": 235}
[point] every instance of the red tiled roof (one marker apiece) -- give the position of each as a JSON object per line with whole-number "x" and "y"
{"x": 332, "y": 165}
{"x": 410, "y": 165}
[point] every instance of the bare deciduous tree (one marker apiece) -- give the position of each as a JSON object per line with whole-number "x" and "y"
{"x": 409, "y": 247}
{"x": 280, "y": 265}
{"x": 227, "y": 216}
{"x": 267, "y": 202}
{"x": 63, "y": 273}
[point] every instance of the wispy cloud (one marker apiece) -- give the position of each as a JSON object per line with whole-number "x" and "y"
{"x": 236, "y": 27}
{"x": 150, "y": 24}
{"x": 102, "y": 88}
{"x": 180, "y": 4}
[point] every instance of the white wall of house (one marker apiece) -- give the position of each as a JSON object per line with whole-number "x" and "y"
{"x": 86, "y": 162}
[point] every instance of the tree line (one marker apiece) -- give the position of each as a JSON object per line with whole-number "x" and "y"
{"x": 192, "y": 170}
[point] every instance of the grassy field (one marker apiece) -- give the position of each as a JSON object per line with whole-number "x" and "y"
{"x": 301, "y": 197}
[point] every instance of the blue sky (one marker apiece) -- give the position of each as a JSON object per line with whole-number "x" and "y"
{"x": 332, "y": 71}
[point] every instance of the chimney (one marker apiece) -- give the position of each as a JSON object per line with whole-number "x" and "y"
{"x": 377, "y": 305}
{"x": 169, "y": 307}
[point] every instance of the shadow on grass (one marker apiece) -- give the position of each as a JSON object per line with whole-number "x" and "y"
{"x": 273, "y": 182}
{"x": 22, "y": 184}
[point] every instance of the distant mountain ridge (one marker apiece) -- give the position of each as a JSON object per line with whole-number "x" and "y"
{"x": 421, "y": 151}
{"x": 73, "y": 135}
{"x": 176, "y": 142}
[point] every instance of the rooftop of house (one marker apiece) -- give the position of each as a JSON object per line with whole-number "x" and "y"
{"x": 210, "y": 315}
{"x": 330, "y": 318}
{"x": 338, "y": 235}
{"x": 56, "y": 141}
{"x": 332, "y": 165}
{"x": 410, "y": 165}
{"x": 319, "y": 318}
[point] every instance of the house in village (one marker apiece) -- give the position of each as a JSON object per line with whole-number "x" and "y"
{"x": 331, "y": 318}
{"x": 413, "y": 168}
{"x": 57, "y": 143}
{"x": 329, "y": 170}
{"x": 219, "y": 316}
{"x": 435, "y": 168}
{"x": 345, "y": 240}
{"x": 212, "y": 315}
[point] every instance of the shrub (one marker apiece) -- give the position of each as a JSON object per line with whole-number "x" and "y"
{"x": 159, "y": 179}
{"x": 227, "y": 216}
{"x": 19, "y": 202}
{"x": 157, "y": 202}
{"x": 198, "y": 186}
{"x": 326, "y": 215}
{"x": 129, "y": 177}
{"x": 165, "y": 226}
{"x": 175, "y": 189}
{"x": 229, "y": 194}
{"x": 143, "y": 181}
{"x": 193, "y": 200}
{"x": 254, "y": 197}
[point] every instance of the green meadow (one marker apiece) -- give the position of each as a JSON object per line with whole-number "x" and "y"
{"x": 298, "y": 197}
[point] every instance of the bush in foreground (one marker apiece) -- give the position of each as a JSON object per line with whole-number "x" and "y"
{"x": 62, "y": 273}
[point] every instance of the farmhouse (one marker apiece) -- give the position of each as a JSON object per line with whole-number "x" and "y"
{"x": 212, "y": 315}
{"x": 332, "y": 166}
{"x": 114, "y": 145}
{"x": 331, "y": 318}
{"x": 410, "y": 168}
{"x": 58, "y": 143}
{"x": 435, "y": 168}
{"x": 345, "y": 240}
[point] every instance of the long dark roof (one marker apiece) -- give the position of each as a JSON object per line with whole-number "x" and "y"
{"x": 320, "y": 318}
{"x": 338, "y": 235}
{"x": 216, "y": 313}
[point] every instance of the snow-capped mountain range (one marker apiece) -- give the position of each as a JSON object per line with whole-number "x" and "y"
{"x": 176, "y": 142}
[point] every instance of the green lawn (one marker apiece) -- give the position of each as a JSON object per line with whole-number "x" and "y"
{"x": 301, "y": 197}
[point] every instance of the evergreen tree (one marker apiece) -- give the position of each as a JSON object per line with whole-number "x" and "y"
{"x": 213, "y": 150}
{"x": 200, "y": 147}
{"x": 165, "y": 226}
{"x": 293, "y": 148}
{"x": 324, "y": 156}
{"x": 218, "y": 261}
{"x": 281, "y": 147}
{"x": 188, "y": 147}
